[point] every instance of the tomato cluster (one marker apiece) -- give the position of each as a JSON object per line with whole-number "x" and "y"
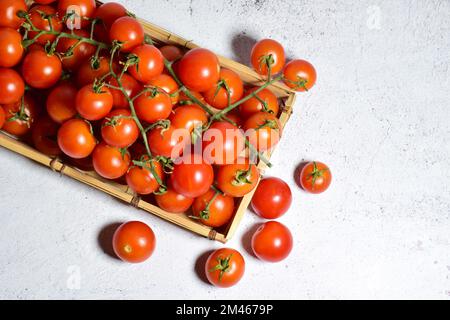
{"x": 90, "y": 86}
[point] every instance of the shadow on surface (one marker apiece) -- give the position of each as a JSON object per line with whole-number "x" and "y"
{"x": 105, "y": 238}
{"x": 247, "y": 239}
{"x": 242, "y": 45}
{"x": 199, "y": 267}
{"x": 297, "y": 172}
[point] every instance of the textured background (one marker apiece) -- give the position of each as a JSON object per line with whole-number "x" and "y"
{"x": 379, "y": 116}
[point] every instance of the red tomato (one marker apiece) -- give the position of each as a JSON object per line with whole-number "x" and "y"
{"x": 213, "y": 209}
{"x": 272, "y": 242}
{"x": 61, "y": 102}
{"x": 171, "y": 52}
{"x": 265, "y": 101}
{"x": 40, "y": 70}
{"x": 188, "y": 117}
{"x": 184, "y": 99}
{"x": 134, "y": 242}
{"x": 272, "y": 198}
{"x": 142, "y": 181}
{"x": 44, "y": 136}
{"x": 167, "y": 142}
{"x": 86, "y": 74}
{"x": 150, "y": 63}
{"x": 263, "y": 130}
{"x": 107, "y": 13}
{"x": 315, "y": 177}
{"x": 110, "y": 162}
{"x": 268, "y": 52}
{"x": 173, "y": 201}
{"x": 128, "y": 31}
{"x": 228, "y": 90}
{"x": 84, "y": 9}
{"x": 225, "y": 267}
{"x": 8, "y": 13}
{"x": 42, "y": 23}
{"x": 192, "y": 176}
{"x": 153, "y": 106}
{"x": 2, "y": 117}
{"x": 237, "y": 179}
{"x": 93, "y": 103}
{"x": 44, "y": 1}
{"x": 199, "y": 69}
{"x": 16, "y": 122}
{"x": 76, "y": 139}
{"x": 119, "y": 129}
{"x": 131, "y": 86}
{"x": 12, "y": 86}
{"x": 222, "y": 143}
{"x": 168, "y": 84}
{"x": 300, "y": 75}
{"x": 11, "y": 49}
{"x": 80, "y": 53}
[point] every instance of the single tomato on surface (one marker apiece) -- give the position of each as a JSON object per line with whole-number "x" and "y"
{"x": 213, "y": 208}
{"x": 268, "y": 54}
{"x": 75, "y": 138}
{"x": 272, "y": 242}
{"x": 199, "y": 69}
{"x": 300, "y": 75}
{"x": 315, "y": 177}
{"x": 237, "y": 179}
{"x": 134, "y": 242}
{"x": 110, "y": 162}
{"x": 272, "y": 198}
{"x": 225, "y": 267}
{"x": 228, "y": 90}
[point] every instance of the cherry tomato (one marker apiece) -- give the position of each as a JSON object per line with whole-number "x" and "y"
{"x": 188, "y": 117}
{"x": 107, "y": 13}
{"x": 184, "y": 99}
{"x": 272, "y": 198}
{"x": 272, "y": 242}
{"x": 228, "y": 90}
{"x": 266, "y": 101}
{"x": 40, "y": 70}
{"x": 61, "y": 102}
{"x": 167, "y": 142}
{"x": 213, "y": 209}
{"x": 168, "y": 84}
{"x": 300, "y": 75}
{"x": 142, "y": 181}
{"x": 225, "y": 267}
{"x": 2, "y": 117}
{"x": 150, "y": 63}
{"x": 119, "y": 129}
{"x": 134, "y": 242}
{"x": 19, "y": 118}
{"x": 84, "y": 10}
{"x": 44, "y": 136}
{"x": 12, "y": 86}
{"x": 192, "y": 176}
{"x": 38, "y": 16}
{"x": 44, "y": 1}
{"x": 131, "y": 86}
{"x": 263, "y": 130}
{"x": 128, "y": 31}
{"x": 173, "y": 201}
{"x": 80, "y": 53}
{"x": 110, "y": 162}
{"x": 8, "y": 13}
{"x": 315, "y": 177}
{"x": 199, "y": 69}
{"x": 268, "y": 52}
{"x": 94, "y": 103}
{"x": 171, "y": 52}
{"x": 237, "y": 179}
{"x": 153, "y": 106}
{"x": 11, "y": 49}
{"x": 87, "y": 74}
{"x": 222, "y": 143}
{"x": 76, "y": 139}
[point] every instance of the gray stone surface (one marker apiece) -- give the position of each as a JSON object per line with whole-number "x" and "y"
{"x": 379, "y": 116}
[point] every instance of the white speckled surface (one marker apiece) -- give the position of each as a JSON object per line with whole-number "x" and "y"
{"x": 379, "y": 116}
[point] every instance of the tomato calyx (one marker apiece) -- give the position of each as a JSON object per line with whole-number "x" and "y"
{"x": 21, "y": 114}
{"x": 223, "y": 265}
{"x": 316, "y": 173}
{"x": 145, "y": 163}
{"x": 272, "y": 124}
{"x": 268, "y": 61}
{"x": 167, "y": 164}
{"x": 223, "y": 84}
{"x": 132, "y": 60}
{"x": 114, "y": 121}
{"x": 300, "y": 83}
{"x": 164, "y": 125}
{"x": 265, "y": 105}
{"x": 97, "y": 86}
{"x": 242, "y": 177}
{"x": 123, "y": 152}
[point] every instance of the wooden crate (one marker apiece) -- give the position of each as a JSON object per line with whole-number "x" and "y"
{"x": 122, "y": 192}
